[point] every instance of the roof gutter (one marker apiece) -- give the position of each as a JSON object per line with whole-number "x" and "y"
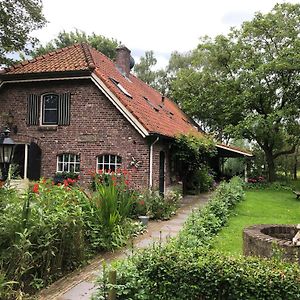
{"x": 21, "y": 79}
{"x": 234, "y": 150}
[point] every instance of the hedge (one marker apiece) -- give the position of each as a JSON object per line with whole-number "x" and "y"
{"x": 186, "y": 268}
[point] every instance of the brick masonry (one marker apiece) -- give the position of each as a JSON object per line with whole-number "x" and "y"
{"x": 267, "y": 240}
{"x": 96, "y": 128}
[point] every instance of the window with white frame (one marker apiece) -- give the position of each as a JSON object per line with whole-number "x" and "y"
{"x": 50, "y": 109}
{"x": 109, "y": 162}
{"x": 68, "y": 162}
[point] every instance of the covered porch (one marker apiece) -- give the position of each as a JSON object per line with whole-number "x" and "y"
{"x": 224, "y": 152}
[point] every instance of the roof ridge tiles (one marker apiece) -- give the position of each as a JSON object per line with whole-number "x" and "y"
{"x": 88, "y": 56}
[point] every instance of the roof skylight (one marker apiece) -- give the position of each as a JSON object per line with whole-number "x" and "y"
{"x": 120, "y": 87}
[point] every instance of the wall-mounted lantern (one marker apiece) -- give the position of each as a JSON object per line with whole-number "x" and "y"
{"x": 7, "y": 146}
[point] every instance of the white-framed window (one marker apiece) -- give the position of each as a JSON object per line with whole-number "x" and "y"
{"x": 49, "y": 109}
{"x": 108, "y": 162}
{"x": 68, "y": 162}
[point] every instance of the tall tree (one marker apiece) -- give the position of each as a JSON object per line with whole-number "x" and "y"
{"x": 247, "y": 83}
{"x": 18, "y": 18}
{"x": 161, "y": 79}
{"x": 105, "y": 45}
{"x": 145, "y": 68}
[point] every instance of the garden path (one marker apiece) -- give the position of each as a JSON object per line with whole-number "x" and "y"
{"x": 79, "y": 285}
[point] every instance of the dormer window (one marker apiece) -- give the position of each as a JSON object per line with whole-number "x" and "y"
{"x": 50, "y": 109}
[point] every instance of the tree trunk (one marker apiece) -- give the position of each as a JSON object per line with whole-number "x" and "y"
{"x": 271, "y": 166}
{"x": 295, "y": 166}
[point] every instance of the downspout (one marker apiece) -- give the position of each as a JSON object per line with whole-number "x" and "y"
{"x": 151, "y": 164}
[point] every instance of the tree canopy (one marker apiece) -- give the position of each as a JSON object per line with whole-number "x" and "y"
{"x": 246, "y": 84}
{"x": 105, "y": 45}
{"x": 161, "y": 79}
{"x": 18, "y": 18}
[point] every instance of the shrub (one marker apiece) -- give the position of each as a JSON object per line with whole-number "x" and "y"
{"x": 186, "y": 268}
{"x": 201, "y": 181}
{"x": 69, "y": 176}
{"x": 171, "y": 273}
{"x": 203, "y": 224}
{"x": 156, "y": 206}
{"x": 55, "y": 228}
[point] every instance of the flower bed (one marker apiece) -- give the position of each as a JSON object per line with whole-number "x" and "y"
{"x": 57, "y": 227}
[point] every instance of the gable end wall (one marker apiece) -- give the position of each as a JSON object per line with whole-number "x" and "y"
{"x": 96, "y": 128}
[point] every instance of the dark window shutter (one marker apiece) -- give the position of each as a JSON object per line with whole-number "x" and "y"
{"x": 64, "y": 109}
{"x": 33, "y": 109}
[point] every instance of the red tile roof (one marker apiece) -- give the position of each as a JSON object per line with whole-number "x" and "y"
{"x": 156, "y": 115}
{"x": 146, "y": 105}
{"x": 72, "y": 58}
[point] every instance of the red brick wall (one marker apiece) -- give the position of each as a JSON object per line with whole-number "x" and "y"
{"x": 157, "y": 148}
{"x": 96, "y": 128}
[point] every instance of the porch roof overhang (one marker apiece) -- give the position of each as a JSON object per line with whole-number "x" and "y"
{"x": 229, "y": 151}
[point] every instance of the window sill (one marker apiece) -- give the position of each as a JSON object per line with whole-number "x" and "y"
{"x": 47, "y": 128}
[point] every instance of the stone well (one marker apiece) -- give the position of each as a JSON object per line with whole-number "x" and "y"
{"x": 266, "y": 240}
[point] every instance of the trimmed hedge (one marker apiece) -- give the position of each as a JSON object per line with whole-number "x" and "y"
{"x": 187, "y": 269}
{"x": 204, "y": 223}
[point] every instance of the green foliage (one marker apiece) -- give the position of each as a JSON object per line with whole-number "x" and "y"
{"x": 17, "y": 20}
{"x": 169, "y": 273}
{"x": 103, "y": 44}
{"x": 201, "y": 181}
{"x": 191, "y": 152}
{"x": 115, "y": 202}
{"x": 56, "y": 228}
{"x": 161, "y": 79}
{"x": 185, "y": 269}
{"x": 245, "y": 84}
{"x": 261, "y": 206}
{"x": 192, "y": 149}
{"x": 156, "y": 206}
{"x": 203, "y": 224}
{"x": 143, "y": 69}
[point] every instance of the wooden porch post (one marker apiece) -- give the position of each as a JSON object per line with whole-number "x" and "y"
{"x": 246, "y": 169}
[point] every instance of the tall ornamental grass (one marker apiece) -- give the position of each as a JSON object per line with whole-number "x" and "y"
{"x": 53, "y": 229}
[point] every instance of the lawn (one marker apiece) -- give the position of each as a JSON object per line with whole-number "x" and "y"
{"x": 259, "y": 207}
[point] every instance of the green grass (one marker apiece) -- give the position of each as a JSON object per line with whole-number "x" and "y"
{"x": 259, "y": 207}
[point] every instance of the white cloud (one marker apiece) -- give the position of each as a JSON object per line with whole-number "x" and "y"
{"x": 161, "y": 26}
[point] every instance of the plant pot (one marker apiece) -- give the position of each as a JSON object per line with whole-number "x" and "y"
{"x": 144, "y": 220}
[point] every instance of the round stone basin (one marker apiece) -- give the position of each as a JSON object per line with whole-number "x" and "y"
{"x": 270, "y": 240}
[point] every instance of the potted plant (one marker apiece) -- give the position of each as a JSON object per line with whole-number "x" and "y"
{"x": 142, "y": 211}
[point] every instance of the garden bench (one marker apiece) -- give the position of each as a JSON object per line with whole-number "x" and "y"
{"x": 297, "y": 193}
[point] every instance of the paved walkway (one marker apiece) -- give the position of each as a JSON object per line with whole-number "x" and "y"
{"x": 79, "y": 285}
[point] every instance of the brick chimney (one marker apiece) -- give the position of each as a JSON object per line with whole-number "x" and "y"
{"x": 123, "y": 60}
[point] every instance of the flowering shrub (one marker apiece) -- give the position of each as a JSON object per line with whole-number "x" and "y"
{"x": 55, "y": 228}
{"x": 259, "y": 179}
{"x": 71, "y": 178}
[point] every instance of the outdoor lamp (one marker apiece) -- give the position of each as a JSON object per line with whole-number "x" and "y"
{"x": 7, "y": 146}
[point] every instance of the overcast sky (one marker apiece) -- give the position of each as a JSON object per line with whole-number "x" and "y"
{"x": 159, "y": 25}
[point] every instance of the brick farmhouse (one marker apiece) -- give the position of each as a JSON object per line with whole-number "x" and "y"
{"x": 75, "y": 110}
